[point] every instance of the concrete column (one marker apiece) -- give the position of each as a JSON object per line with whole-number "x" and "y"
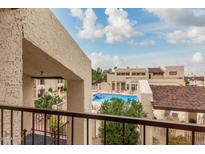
{"x": 130, "y": 87}
{"x": 186, "y": 117}
{"x": 115, "y": 86}
{"x": 79, "y": 101}
{"x": 120, "y": 86}
{"x": 11, "y": 71}
{"x": 145, "y": 97}
{"x": 28, "y": 100}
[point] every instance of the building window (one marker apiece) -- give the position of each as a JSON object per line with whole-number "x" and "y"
{"x": 123, "y": 73}
{"x": 61, "y": 89}
{"x": 113, "y": 86}
{"x": 60, "y": 81}
{"x": 41, "y": 92}
{"x": 42, "y": 81}
{"x": 128, "y": 86}
{"x": 134, "y": 73}
{"x": 173, "y": 73}
{"x": 138, "y": 73}
{"x": 122, "y": 86}
{"x": 133, "y": 87}
{"x": 159, "y": 73}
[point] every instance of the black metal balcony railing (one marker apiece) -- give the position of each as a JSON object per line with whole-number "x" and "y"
{"x": 52, "y": 131}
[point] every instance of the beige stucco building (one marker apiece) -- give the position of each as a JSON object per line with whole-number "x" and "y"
{"x": 41, "y": 86}
{"x": 33, "y": 41}
{"x": 127, "y": 79}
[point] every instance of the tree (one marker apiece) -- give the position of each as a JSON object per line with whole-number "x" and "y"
{"x": 114, "y": 130}
{"x": 98, "y": 76}
{"x": 47, "y": 101}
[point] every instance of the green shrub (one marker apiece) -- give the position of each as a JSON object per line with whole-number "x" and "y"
{"x": 53, "y": 124}
{"x": 50, "y": 90}
{"x": 178, "y": 140}
{"x": 114, "y": 130}
{"x": 64, "y": 89}
{"x": 47, "y": 101}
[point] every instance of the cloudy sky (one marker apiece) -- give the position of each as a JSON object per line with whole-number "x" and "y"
{"x": 139, "y": 37}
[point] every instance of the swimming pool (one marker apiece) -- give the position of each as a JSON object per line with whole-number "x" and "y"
{"x": 105, "y": 97}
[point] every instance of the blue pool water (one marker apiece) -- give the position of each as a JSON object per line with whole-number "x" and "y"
{"x": 104, "y": 97}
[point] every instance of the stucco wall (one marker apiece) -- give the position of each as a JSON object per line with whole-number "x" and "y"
{"x": 145, "y": 97}
{"x": 170, "y": 81}
{"x": 11, "y": 68}
{"x": 105, "y": 86}
{"x": 178, "y": 69}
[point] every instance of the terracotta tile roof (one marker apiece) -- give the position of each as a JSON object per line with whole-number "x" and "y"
{"x": 181, "y": 98}
{"x": 155, "y": 70}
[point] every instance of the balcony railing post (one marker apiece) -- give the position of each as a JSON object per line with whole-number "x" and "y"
{"x": 24, "y": 136}
{"x": 144, "y": 134}
{"x": 22, "y": 127}
{"x": 2, "y": 126}
{"x": 123, "y": 133}
{"x": 193, "y": 137}
{"x": 45, "y": 128}
{"x": 58, "y": 130}
{"x": 105, "y": 132}
{"x": 72, "y": 131}
{"x": 87, "y": 122}
{"x": 33, "y": 128}
{"x": 11, "y": 139}
{"x": 167, "y": 136}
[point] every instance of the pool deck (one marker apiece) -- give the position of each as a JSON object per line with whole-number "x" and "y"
{"x": 111, "y": 92}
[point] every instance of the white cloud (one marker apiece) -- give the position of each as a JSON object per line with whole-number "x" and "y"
{"x": 119, "y": 26}
{"x": 142, "y": 43}
{"x": 105, "y": 61}
{"x": 77, "y": 13}
{"x": 193, "y": 21}
{"x": 177, "y": 37}
{"x": 179, "y": 16}
{"x": 198, "y": 58}
{"x": 193, "y": 34}
{"x": 90, "y": 29}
